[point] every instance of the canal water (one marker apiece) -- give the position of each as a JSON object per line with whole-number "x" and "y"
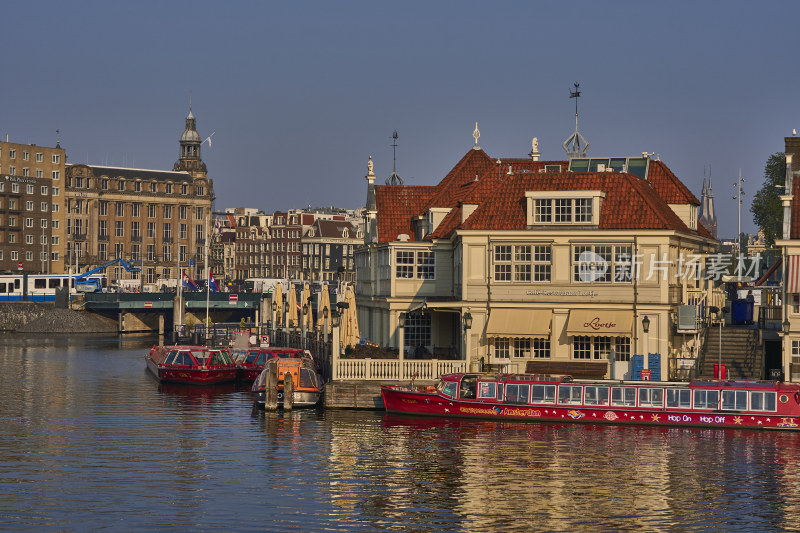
{"x": 89, "y": 441}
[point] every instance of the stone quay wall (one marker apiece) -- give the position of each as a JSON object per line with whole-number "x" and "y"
{"x": 44, "y": 318}
{"x": 14, "y": 315}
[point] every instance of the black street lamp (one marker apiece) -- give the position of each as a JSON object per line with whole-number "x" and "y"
{"x": 467, "y": 319}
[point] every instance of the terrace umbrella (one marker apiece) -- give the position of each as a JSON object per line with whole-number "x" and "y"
{"x": 305, "y": 300}
{"x": 292, "y": 307}
{"x": 353, "y": 335}
{"x": 277, "y": 298}
{"x": 323, "y": 303}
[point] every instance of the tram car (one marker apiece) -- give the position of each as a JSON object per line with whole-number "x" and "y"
{"x": 34, "y": 287}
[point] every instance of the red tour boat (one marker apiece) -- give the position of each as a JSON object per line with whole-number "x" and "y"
{"x": 526, "y": 397}
{"x": 252, "y": 363}
{"x": 196, "y": 365}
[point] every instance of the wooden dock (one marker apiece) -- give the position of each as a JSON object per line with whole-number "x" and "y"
{"x": 359, "y": 394}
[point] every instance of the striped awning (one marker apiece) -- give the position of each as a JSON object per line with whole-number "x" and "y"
{"x": 793, "y": 275}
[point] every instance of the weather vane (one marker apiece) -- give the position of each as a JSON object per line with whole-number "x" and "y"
{"x": 573, "y": 143}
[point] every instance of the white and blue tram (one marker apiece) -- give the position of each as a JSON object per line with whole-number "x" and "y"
{"x": 33, "y": 287}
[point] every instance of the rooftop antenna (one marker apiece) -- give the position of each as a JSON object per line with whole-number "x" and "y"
{"x": 394, "y": 178}
{"x": 58, "y": 139}
{"x": 573, "y": 143}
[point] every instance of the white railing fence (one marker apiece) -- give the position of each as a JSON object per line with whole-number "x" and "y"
{"x": 393, "y": 369}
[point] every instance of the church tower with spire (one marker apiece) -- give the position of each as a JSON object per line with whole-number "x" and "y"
{"x": 189, "y": 159}
{"x": 707, "y": 216}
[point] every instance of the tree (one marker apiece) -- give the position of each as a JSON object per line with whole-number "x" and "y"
{"x": 766, "y": 207}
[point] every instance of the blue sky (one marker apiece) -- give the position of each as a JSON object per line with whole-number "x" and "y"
{"x": 301, "y": 93}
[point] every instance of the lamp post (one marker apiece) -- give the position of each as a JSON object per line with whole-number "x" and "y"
{"x": 286, "y": 315}
{"x": 645, "y": 331}
{"x": 305, "y": 312}
{"x": 786, "y": 341}
{"x": 466, "y": 320}
{"x": 401, "y": 339}
{"x": 274, "y": 316}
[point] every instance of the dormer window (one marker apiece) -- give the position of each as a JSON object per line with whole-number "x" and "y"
{"x": 576, "y": 207}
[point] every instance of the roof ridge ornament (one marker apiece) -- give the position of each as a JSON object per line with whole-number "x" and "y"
{"x": 476, "y": 135}
{"x": 573, "y": 143}
{"x": 535, "y": 154}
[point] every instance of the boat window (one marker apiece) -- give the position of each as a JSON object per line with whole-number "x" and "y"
{"x": 307, "y": 379}
{"x": 623, "y": 396}
{"x": 679, "y": 398}
{"x": 487, "y": 389}
{"x": 570, "y": 394}
{"x": 469, "y": 385}
{"x": 183, "y": 359}
{"x": 251, "y": 357}
{"x": 200, "y": 356}
{"x": 171, "y": 357}
{"x": 543, "y": 394}
{"x": 499, "y": 392}
{"x": 226, "y": 356}
{"x": 651, "y": 397}
{"x": 517, "y": 393}
{"x": 3, "y": 287}
{"x": 706, "y": 399}
{"x": 261, "y": 359}
{"x": 450, "y": 388}
{"x": 762, "y": 401}
{"x": 734, "y": 400}
{"x": 596, "y": 396}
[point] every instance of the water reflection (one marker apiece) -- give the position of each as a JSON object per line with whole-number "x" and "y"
{"x": 90, "y": 440}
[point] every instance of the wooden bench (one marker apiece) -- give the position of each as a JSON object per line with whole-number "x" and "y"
{"x": 576, "y": 369}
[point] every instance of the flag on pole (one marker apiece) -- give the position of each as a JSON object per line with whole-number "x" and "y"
{"x": 218, "y": 223}
{"x": 212, "y": 283}
{"x": 188, "y": 282}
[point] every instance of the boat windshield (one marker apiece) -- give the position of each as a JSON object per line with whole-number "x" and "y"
{"x": 448, "y": 388}
{"x": 308, "y": 379}
{"x": 251, "y": 356}
{"x": 171, "y": 357}
{"x": 220, "y": 358}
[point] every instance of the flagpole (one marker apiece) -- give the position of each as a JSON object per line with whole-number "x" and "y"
{"x": 179, "y": 288}
{"x": 207, "y": 268}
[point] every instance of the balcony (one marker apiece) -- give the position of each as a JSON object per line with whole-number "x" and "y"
{"x": 136, "y": 238}
{"x": 167, "y": 240}
{"x": 78, "y": 236}
{"x": 102, "y": 238}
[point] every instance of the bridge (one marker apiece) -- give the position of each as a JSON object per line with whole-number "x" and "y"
{"x": 157, "y": 311}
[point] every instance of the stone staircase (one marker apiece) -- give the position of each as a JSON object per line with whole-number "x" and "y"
{"x": 740, "y": 353}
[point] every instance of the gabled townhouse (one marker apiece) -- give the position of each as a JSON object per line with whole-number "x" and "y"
{"x": 526, "y": 264}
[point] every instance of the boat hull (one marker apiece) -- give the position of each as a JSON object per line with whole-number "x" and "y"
{"x": 192, "y": 376}
{"x": 429, "y": 403}
{"x": 299, "y": 398}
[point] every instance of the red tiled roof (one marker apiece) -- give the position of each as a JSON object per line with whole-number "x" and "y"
{"x": 630, "y": 203}
{"x": 396, "y": 205}
{"x": 668, "y": 186}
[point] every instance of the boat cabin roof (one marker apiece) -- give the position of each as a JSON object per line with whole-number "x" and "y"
{"x": 557, "y": 379}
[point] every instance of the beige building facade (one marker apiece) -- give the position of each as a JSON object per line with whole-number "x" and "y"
{"x": 526, "y": 264}
{"x": 157, "y": 219}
